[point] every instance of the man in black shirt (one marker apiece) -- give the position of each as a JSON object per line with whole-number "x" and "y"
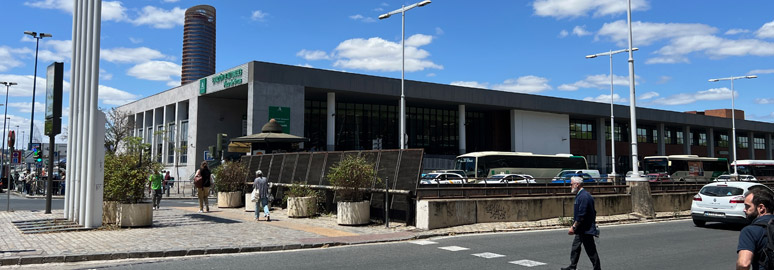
{"x": 752, "y": 240}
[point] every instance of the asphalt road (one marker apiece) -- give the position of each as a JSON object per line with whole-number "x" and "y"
{"x": 662, "y": 245}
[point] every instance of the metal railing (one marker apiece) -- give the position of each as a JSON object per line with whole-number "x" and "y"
{"x": 479, "y": 188}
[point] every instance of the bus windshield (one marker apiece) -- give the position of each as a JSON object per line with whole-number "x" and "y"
{"x": 466, "y": 164}
{"x": 656, "y": 165}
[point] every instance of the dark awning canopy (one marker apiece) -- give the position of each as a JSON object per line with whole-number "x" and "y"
{"x": 270, "y": 138}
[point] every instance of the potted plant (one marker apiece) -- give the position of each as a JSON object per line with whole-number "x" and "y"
{"x": 352, "y": 177}
{"x": 126, "y": 181}
{"x": 230, "y": 183}
{"x": 302, "y": 201}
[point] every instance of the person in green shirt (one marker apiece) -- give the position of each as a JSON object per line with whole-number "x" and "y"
{"x": 155, "y": 186}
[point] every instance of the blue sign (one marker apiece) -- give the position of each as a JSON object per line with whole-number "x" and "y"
{"x": 207, "y": 156}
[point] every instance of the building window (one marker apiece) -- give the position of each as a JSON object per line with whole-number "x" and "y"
{"x": 580, "y": 129}
{"x": 668, "y": 137}
{"x": 592, "y": 160}
{"x": 159, "y": 142}
{"x": 723, "y": 140}
{"x": 759, "y": 143}
{"x": 655, "y": 136}
{"x": 171, "y": 143}
{"x": 642, "y": 135}
{"x": 149, "y": 135}
{"x": 680, "y": 139}
{"x": 183, "y": 142}
{"x": 742, "y": 142}
{"x": 617, "y": 133}
{"x": 702, "y": 139}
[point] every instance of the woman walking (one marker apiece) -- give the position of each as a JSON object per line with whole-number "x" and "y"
{"x": 202, "y": 181}
{"x": 262, "y": 184}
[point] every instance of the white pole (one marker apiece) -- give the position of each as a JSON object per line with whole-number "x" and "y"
{"x": 733, "y": 126}
{"x": 73, "y": 82}
{"x": 632, "y": 103}
{"x": 612, "y": 118}
{"x": 402, "y": 78}
{"x": 79, "y": 125}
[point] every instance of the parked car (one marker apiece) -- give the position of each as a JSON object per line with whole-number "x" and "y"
{"x": 509, "y": 178}
{"x": 442, "y": 178}
{"x": 565, "y": 178}
{"x": 721, "y": 202}
{"x": 593, "y": 173}
{"x": 630, "y": 173}
{"x": 741, "y": 177}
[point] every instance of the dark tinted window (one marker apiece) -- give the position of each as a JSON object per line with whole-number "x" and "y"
{"x": 720, "y": 191}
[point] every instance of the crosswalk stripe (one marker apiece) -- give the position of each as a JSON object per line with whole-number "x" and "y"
{"x": 527, "y": 263}
{"x": 454, "y": 248}
{"x": 488, "y": 255}
{"x": 423, "y": 242}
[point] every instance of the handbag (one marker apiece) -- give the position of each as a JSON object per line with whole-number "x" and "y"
{"x": 198, "y": 180}
{"x": 256, "y": 195}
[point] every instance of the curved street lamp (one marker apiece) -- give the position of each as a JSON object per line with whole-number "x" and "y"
{"x": 37, "y": 37}
{"x": 733, "y": 116}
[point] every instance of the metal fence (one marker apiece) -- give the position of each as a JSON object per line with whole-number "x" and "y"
{"x": 479, "y": 188}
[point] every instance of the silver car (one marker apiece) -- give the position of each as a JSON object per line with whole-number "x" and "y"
{"x": 509, "y": 178}
{"x": 721, "y": 202}
{"x": 442, "y": 178}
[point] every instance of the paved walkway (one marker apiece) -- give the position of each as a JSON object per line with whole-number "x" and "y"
{"x": 182, "y": 231}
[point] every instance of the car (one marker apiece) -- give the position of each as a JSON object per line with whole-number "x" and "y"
{"x": 442, "y": 178}
{"x": 742, "y": 177}
{"x": 630, "y": 173}
{"x": 509, "y": 179}
{"x": 593, "y": 173}
{"x": 721, "y": 202}
{"x": 565, "y": 178}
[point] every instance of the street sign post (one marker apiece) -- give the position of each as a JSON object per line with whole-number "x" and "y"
{"x": 54, "y": 83}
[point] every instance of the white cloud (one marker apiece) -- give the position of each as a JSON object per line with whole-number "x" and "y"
{"x": 111, "y": 10}
{"x": 24, "y": 85}
{"x": 524, "y": 84}
{"x": 577, "y": 8}
{"x": 606, "y": 99}
{"x": 648, "y": 95}
{"x": 381, "y": 55}
{"x": 563, "y": 33}
{"x": 766, "y": 31}
{"x": 112, "y": 96}
{"x": 26, "y": 107}
{"x": 717, "y": 47}
{"x": 135, "y": 40}
{"x": 130, "y": 55}
{"x": 170, "y": 1}
{"x": 580, "y": 31}
{"x": 601, "y": 81}
{"x": 306, "y": 65}
{"x": 155, "y": 71}
{"x": 174, "y": 83}
{"x": 764, "y": 101}
{"x": 8, "y": 57}
{"x": 104, "y": 75}
{"x": 736, "y": 31}
{"x": 761, "y": 71}
{"x": 663, "y": 79}
{"x": 472, "y": 84}
{"x": 160, "y": 18}
{"x": 313, "y": 55}
{"x": 358, "y": 17}
{"x": 688, "y": 98}
{"x": 258, "y": 15}
{"x": 647, "y": 33}
{"x": 438, "y": 31}
{"x": 431, "y": 75}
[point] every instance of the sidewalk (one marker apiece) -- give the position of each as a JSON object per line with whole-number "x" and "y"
{"x": 182, "y": 231}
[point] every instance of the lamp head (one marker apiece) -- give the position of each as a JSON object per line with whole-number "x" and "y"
{"x": 751, "y": 76}
{"x": 42, "y": 35}
{"x": 424, "y": 3}
{"x": 591, "y": 56}
{"x": 634, "y": 49}
{"x": 384, "y": 16}
{"x": 33, "y": 34}
{"x": 713, "y": 80}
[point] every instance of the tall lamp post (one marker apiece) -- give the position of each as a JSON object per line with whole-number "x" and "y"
{"x": 37, "y": 37}
{"x": 402, "y": 12}
{"x": 733, "y": 116}
{"x": 2, "y": 160}
{"x": 612, "y": 118}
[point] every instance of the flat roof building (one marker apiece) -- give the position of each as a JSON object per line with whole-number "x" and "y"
{"x": 348, "y": 111}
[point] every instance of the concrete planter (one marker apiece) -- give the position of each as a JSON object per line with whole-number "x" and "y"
{"x": 353, "y": 213}
{"x": 249, "y": 204}
{"x": 230, "y": 199}
{"x": 302, "y": 206}
{"x": 109, "y": 212}
{"x": 135, "y": 214}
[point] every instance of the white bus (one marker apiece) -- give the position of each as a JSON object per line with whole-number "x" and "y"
{"x": 684, "y": 168}
{"x": 484, "y": 164}
{"x": 761, "y": 169}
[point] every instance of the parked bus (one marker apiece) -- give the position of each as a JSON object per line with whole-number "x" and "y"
{"x": 761, "y": 169}
{"x": 485, "y": 164}
{"x": 684, "y": 168}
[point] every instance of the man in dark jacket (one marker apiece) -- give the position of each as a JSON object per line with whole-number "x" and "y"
{"x": 584, "y": 227}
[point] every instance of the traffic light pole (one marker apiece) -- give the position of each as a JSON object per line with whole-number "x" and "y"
{"x": 50, "y": 173}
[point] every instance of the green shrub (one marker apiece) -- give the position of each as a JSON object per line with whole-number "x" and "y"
{"x": 230, "y": 177}
{"x": 126, "y": 172}
{"x": 352, "y": 176}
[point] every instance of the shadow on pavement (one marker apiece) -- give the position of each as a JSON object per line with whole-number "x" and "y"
{"x": 724, "y": 226}
{"x": 190, "y": 219}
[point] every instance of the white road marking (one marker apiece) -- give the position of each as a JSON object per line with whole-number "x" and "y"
{"x": 488, "y": 255}
{"x": 454, "y": 248}
{"x": 423, "y": 242}
{"x": 527, "y": 263}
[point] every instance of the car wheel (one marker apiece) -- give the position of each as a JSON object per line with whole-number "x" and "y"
{"x": 699, "y": 223}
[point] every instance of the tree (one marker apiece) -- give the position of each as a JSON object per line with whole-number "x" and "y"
{"x": 117, "y": 129}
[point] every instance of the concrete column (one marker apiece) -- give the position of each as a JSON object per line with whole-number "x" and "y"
{"x": 331, "y": 124}
{"x": 768, "y": 146}
{"x": 661, "y": 140}
{"x": 461, "y": 126}
{"x": 601, "y": 145}
{"x": 687, "y": 140}
{"x": 751, "y": 144}
{"x": 711, "y": 142}
{"x": 514, "y": 127}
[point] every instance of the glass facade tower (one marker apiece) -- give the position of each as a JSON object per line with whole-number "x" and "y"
{"x": 198, "y": 43}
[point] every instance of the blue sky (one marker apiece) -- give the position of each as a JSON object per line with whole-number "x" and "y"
{"x": 533, "y": 46}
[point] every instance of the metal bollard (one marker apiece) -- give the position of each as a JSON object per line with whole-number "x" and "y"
{"x": 386, "y": 202}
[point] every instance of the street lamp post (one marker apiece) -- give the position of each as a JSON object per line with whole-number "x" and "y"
{"x": 35, "y": 77}
{"x": 612, "y": 118}
{"x": 733, "y": 116}
{"x": 633, "y": 105}
{"x": 2, "y": 160}
{"x": 402, "y": 12}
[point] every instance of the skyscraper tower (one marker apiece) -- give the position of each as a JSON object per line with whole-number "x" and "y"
{"x": 198, "y": 43}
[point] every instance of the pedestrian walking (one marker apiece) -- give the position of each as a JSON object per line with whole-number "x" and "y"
{"x": 166, "y": 183}
{"x": 155, "y": 188}
{"x": 262, "y": 185}
{"x": 584, "y": 226}
{"x": 203, "y": 181}
{"x": 758, "y": 204}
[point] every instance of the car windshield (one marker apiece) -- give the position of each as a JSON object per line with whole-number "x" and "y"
{"x": 566, "y": 173}
{"x": 498, "y": 176}
{"x": 431, "y": 176}
{"x": 720, "y": 191}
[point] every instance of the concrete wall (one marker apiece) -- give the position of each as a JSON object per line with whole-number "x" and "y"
{"x": 221, "y": 116}
{"x": 670, "y": 202}
{"x": 262, "y": 95}
{"x": 540, "y": 133}
{"x": 440, "y": 213}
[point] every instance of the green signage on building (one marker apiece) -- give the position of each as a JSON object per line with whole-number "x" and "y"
{"x": 203, "y": 86}
{"x": 282, "y": 116}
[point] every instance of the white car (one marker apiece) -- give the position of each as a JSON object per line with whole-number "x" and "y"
{"x": 721, "y": 202}
{"x": 509, "y": 178}
{"x": 442, "y": 178}
{"x": 742, "y": 177}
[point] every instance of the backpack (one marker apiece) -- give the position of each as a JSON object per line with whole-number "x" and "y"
{"x": 766, "y": 257}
